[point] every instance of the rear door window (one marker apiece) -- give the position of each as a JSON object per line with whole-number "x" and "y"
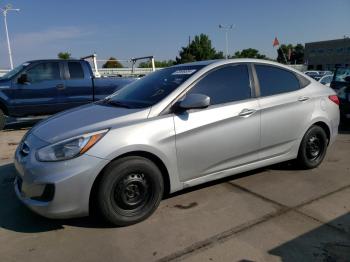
{"x": 274, "y": 80}
{"x": 224, "y": 85}
{"x": 75, "y": 70}
{"x": 44, "y": 72}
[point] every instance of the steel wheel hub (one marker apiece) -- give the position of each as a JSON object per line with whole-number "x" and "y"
{"x": 313, "y": 147}
{"x": 131, "y": 192}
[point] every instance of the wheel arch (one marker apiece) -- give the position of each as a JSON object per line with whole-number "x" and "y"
{"x": 150, "y": 156}
{"x": 317, "y": 122}
{"x": 325, "y": 127}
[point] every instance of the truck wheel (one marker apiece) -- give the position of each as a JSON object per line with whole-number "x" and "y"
{"x": 129, "y": 191}
{"x": 2, "y": 120}
{"x": 313, "y": 148}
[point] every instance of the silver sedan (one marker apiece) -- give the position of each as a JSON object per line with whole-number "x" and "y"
{"x": 177, "y": 127}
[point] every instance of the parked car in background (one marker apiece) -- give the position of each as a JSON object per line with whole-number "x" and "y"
{"x": 314, "y": 74}
{"x": 341, "y": 83}
{"x": 45, "y": 87}
{"x": 175, "y": 128}
{"x": 326, "y": 80}
{"x": 317, "y": 75}
{"x": 324, "y": 73}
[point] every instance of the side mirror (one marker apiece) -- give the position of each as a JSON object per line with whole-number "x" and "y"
{"x": 23, "y": 79}
{"x": 193, "y": 101}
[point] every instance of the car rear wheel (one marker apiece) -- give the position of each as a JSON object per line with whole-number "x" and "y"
{"x": 2, "y": 120}
{"x": 130, "y": 190}
{"x": 313, "y": 148}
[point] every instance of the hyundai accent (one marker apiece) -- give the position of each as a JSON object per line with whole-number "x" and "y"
{"x": 175, "y": 128}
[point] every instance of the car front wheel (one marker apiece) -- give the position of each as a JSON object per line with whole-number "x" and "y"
{"x": 130, "y": 190}
{"x": 313, "y": 148}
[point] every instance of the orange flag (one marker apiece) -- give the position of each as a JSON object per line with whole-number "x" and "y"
{"x": 275, "y": 42}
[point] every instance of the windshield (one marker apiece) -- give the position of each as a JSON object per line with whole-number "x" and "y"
{"x": 341, "y": 74}
{"x": 14, "y": 71}
{"x": 152, "y": 88}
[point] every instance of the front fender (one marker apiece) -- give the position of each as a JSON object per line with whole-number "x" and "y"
{"x": 3, "y": 105}
{"x": 5, "y": 88}
{"x": 154, "y": 136}
{"x": 171, "y": 166}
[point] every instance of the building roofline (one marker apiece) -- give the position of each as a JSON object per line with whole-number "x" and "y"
{"x": 332, "y": 40}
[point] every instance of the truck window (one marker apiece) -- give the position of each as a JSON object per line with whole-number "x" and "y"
{"x": 75, "y": 70}
{"x": 44, "y": 72}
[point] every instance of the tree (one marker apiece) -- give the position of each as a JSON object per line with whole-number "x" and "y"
{"x": 112, "y": 63}
{"x": 159, "y": 64}
{"x": 293, "y": 54}
{"x": 199, "y": 49}
{"x": 298, "y": 54}
{"x": 248, "y": 53}
{"x": 282, "y": 53}
{"x": 64, "y": 55}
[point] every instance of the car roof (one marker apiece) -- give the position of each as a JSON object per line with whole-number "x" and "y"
{"x": 233, "y": 60}
{"x": 54, "y": 60}
{"x": 198, "y": 63}
{"x": 219, "y": 62}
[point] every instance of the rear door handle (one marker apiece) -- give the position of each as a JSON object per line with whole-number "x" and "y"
{"x": 247, "y": 112}
{"x": 60, "y": 86}
{"x": 303, "y": 98}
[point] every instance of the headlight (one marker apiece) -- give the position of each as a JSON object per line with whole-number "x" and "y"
{"x": 69, "y": 148}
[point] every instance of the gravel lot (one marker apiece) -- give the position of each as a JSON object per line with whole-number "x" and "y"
{"x": 271, "y": 214}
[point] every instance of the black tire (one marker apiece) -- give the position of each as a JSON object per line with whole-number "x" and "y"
{"x": 313, "y": 148}
{"x": 129, "y": 191}
{"x": 2, "y": 120}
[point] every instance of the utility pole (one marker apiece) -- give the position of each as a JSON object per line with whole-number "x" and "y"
{"x": 4, "y": 12}
{"x": 226, "y": 29}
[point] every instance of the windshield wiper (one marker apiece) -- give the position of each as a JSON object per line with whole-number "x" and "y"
{"x": 116, "y": 103}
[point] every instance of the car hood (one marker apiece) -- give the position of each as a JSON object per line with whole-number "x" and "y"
{"x": 4, "y": 81}
{"x": 85, "y": 119}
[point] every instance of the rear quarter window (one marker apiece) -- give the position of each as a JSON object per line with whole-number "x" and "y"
{"x": 274, "y": 80}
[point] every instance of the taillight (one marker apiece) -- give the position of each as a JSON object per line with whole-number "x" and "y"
{"x": 334, "y": 98}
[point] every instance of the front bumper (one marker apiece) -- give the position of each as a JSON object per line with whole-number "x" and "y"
{"x": 70, "y": 180}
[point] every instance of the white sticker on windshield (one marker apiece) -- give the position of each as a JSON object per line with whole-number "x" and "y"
{"x": 184, "y": 72}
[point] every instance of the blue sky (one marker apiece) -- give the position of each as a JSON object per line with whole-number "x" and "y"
{"x": 126, "y": 29}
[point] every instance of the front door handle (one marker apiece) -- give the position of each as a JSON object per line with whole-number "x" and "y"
{"x": 247, "y": 112}
{"x": 60, "y": 86}
{"x": 303, "y": 98}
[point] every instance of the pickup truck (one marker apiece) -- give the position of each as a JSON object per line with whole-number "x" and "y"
{"x": 341, "y": 84}
{"x": 45, "y": 87}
